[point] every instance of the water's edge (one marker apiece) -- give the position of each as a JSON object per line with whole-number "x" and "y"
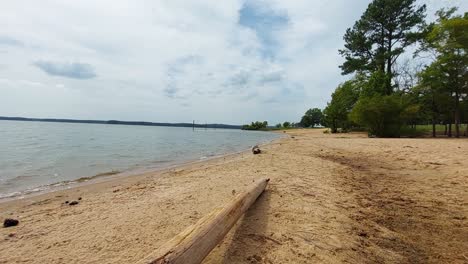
{"x": 112, "y": 175}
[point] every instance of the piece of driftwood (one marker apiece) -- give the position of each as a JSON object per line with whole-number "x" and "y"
{"x": 195, "y": 243}
{"x": 256, "y": 150}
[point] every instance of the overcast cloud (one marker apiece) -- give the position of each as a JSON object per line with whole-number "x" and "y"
{"x": 227, "y": 61}
{"x": 71, "y": 70}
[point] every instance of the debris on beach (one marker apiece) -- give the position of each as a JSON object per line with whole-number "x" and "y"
{"x": 362, "y": 234}
{"x": 73, "y": 203}
{"x": 10, "y": 222}
{"x": 256, "y": 150}
{"x": 196, "y": 242}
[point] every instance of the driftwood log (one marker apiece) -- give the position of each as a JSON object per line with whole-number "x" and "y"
{"x": 196, "y": 242}
{"x": 256, "y": 150}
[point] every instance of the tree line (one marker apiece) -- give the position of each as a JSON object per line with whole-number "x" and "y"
{"x": 387, "y": 95}
{"x": 404, "y": 72}
{"x": 312, "y": 118}
{"x": 259, "y": 125}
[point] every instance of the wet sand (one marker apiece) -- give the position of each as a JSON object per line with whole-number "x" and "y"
{"x": 341, "y": 198}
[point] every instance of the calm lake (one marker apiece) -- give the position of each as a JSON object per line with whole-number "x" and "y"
{"x": 37, "y": 155}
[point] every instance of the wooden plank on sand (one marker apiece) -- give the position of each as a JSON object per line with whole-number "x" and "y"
{"x": 195, "y": 243}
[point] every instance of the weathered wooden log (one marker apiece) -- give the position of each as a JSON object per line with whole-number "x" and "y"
{"x": 195, "y": 243}
{"x": 256, "y": 150}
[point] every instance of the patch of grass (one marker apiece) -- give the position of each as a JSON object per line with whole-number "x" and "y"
{"x": 440, "y": 129}
{"x": 418, "y": 131}
{"x": 411, "y": 132}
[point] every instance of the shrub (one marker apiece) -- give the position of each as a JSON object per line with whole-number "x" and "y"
{"x": 383, "y": 115}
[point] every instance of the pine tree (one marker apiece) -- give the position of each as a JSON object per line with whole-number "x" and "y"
{"x": 380, "y": 36}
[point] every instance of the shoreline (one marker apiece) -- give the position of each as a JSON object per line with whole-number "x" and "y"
{"x": 331, "y": 199}
{"x": 110, "y": 176}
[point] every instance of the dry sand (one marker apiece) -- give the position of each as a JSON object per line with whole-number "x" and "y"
{"x": 331, "y": 199}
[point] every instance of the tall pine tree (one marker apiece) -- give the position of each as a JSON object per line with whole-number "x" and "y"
{"x": 380, "y": 36}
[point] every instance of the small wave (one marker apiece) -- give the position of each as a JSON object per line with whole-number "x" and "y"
{"x": 21, "y": 177}
{"x": 46, "y": 187}
{"x": 25, "y": 192}
{"x": 10, "y": 195}
{"x": 161, "y": 161}
{"x": 14, "y": 180}
{"x": 102, "y": 174}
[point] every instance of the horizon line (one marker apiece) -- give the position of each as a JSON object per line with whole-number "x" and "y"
{"x": 120, "y": 122}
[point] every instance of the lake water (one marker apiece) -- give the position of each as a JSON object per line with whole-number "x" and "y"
{"x": 37, "y": 155}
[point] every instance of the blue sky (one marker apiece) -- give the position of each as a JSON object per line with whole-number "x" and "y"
{"x": 230, "y": 61}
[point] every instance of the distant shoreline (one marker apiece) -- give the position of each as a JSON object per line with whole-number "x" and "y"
{"x": 118, "y": 122}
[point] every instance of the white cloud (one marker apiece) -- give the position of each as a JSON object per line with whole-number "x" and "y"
{"x": 170, "y": 60}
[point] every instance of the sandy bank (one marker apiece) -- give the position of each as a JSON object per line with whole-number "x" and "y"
{"x": 331, "y": 199}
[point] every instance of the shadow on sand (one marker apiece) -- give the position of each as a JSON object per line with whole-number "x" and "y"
{"x": 249, "y": 242}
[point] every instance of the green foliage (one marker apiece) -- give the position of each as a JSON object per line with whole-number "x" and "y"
{"x": 450, "y": 32}
{"x": 278, "y": 125}
{"x": 432, "y": 93}
{"x": 256, "y": 126}
{"x": 380, "y": 36}
{"x": 437, "y": 94}
{"x": 383, "y": 115}
{"x": 375, "y": 84}
{"x": 444, "y": 83}
{"x": 312, "y": 117}
{"x": 384, "y": 24}
{"x": 343, "y": 100}
{"x": 286, "y": 124}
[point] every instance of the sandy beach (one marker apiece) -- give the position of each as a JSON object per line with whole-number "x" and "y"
{"x": 341, "y": 198}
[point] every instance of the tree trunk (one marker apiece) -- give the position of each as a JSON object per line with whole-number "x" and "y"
{"x": 445, "y": 127}
{"x": 457, "y": 115}
{"x": 450, "y": 129}
{"x": 334, "y": 128}
{"x": 389, "y": 63}
{"x": 434, "y": 109}
{"x": 193, "y": 244}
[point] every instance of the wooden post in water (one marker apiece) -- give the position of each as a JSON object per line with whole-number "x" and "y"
{"x": 196, "y": 242}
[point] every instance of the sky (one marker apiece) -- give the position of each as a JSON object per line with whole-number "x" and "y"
{"x": 229, "y": 61}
